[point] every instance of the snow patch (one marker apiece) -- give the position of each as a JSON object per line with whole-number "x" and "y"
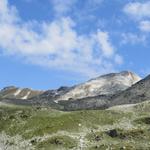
{"x": 26, "y": 96}
{"x": 17, "y": 92}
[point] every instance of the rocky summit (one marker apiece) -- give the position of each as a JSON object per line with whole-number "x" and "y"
{"x": 103, "y": 85}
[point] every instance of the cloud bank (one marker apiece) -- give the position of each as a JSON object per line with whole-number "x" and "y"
{"x": 58, "y": 45}
{"x": 139, "y": 11}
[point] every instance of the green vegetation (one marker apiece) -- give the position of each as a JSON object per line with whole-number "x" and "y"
{"x": 57, "y": 142}
{"x": 49, "y": 129}
{"x": 30, "y": 122}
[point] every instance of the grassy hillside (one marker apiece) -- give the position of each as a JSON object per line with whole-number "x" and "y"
{"x": 126, "y": 127}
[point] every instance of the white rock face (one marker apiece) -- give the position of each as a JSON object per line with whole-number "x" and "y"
{"x": 106, "y": 84}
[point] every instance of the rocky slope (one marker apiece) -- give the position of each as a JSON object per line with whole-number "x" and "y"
{"x": 18, "y": 93}
{"x": 137, "y": 93}
{"x": 103, "y": 85}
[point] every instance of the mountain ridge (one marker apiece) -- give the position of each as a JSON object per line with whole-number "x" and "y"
{"x": 18, "y": 93}
{"x": 101, "y": 97}
{"x": 102, "y": 85}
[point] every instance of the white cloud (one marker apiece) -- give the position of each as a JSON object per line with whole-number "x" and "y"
{"x": 141, "y": 12}
{"x": 133, "y": 38}
{"x": 58, "y": 45}
{"x": 62, "y": 7}
{"x": 107, "y": 48}
{"x": 138, "y": 10}
{"x": 145, "y": 26}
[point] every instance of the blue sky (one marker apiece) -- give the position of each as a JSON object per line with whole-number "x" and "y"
{"x": 49, "y": 43}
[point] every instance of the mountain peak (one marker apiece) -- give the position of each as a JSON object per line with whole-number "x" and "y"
{"x": 107, "y": 84}
{"x": 132, "y": 75}
{"x": 126, "y": 73}
{"x": 102, "y": 85}
{"x": 122, "y": 73}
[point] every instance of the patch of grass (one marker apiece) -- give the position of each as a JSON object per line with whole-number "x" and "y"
{"x": 136, "y": 139}
{"x": 120, "y": 146}
{"x": 57, "y": 142}
{"x": 143, "y": 120}
{"x": 30, "y": 122}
